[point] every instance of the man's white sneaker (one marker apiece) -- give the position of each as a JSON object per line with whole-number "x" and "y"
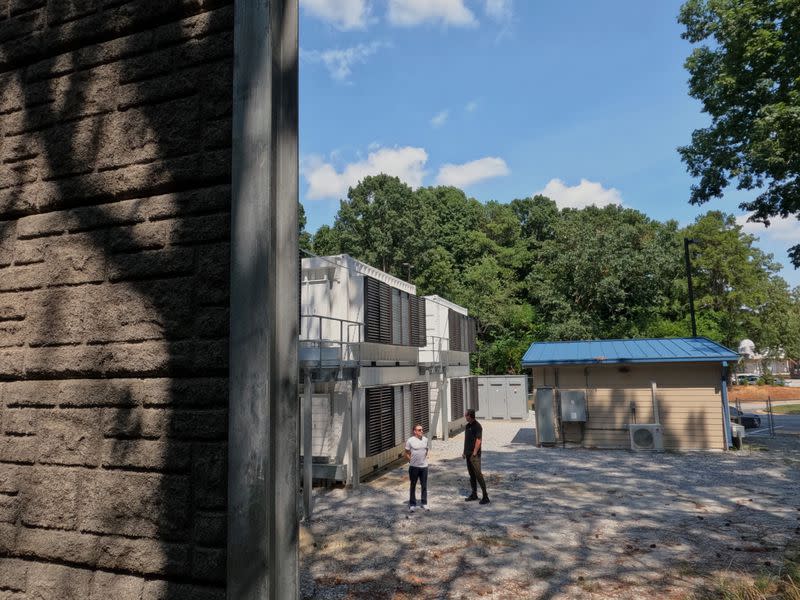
{"x": 412, "y": 508}
{"x": 425, "y": 507}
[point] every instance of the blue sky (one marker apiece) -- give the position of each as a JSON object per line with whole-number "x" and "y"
{"x": 583, "y": 101}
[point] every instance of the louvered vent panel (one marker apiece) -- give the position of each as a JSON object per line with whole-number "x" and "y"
{"x": 420, "y": 405}
{"x": 473, "y": 393}
{"x": 380, "y": 419}
{"x": 372, "y": 310}
{"x": 386, "y": 313}
{"x": 456, "y": 399}
{"x": 454, "y": 325}
{"x": 413, "y": 319}
{"x": 421, "y": 328}
{"x": 469, "y": 341}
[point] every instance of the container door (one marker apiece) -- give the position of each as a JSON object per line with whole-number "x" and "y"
{"x": 497, "y": 400}
{"x": 517, "y": 404}
{"x": 483, "y": 399}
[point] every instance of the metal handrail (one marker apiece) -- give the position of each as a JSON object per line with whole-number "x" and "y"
{"x": 349, "y": 336}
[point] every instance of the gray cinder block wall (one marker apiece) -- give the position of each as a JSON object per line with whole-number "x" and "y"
{"x": 115, "y": 121}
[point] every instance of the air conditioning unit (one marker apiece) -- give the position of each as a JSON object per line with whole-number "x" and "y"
{"x": 646, "y": 437}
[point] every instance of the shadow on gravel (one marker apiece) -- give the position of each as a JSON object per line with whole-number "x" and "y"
{"x": 562, "y": 524}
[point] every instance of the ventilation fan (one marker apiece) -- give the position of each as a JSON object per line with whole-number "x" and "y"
{"x": 646, "y": 437}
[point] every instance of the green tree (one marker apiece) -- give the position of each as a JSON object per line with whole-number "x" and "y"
{"x": 325, "y": 242}
{"x": 733, "y": 281}
{"x": 304, "y": 237}
{"x": 383, "y": 223}
{"x": 604, "y": 273}
{"x": 747, "y": 75}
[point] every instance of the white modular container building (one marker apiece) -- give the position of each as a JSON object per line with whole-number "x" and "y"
{"x": 445, "y": 362}
{"x": 361, "y": 331}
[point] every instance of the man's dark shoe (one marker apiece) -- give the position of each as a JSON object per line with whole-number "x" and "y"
{"x": 470, "y": 498}
{"x": 484, "y": 500}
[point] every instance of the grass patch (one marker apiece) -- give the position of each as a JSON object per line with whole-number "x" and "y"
{"x": 787, "y": 409}
{"x": 685, "y": 568}
{"x": 782, "y": 584}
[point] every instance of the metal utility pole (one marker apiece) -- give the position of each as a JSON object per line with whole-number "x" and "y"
{"x": 686, "y": 242}
{"x": 408, "y": 267}
{"x": 263, "y": 424}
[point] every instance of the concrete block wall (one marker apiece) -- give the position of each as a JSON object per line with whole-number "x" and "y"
{"x": 115, "y": 121}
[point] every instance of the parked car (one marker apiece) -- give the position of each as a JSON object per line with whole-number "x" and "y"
{"x": 746, "y": 379}
{"x": 748, "y": 420}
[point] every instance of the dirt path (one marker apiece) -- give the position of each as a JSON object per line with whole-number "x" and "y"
{"x": 562, "y": 524}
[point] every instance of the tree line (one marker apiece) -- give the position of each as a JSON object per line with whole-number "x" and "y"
{"x": 529, "y": 271}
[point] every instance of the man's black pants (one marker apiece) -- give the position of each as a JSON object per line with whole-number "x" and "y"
{"x": 421, "y": 474}
{"x": 475, "y": 475}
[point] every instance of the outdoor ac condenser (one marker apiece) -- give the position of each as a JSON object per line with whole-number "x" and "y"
{"x": 646, "y": 436}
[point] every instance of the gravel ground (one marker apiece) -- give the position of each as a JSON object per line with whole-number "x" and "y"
{"x": 563, "y": 523}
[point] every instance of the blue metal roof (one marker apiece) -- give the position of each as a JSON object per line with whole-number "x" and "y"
{"x": 658, "y": 350}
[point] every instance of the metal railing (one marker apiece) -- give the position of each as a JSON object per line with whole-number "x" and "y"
{"x": 329, "y": 341}
{"x": 435, "y": 350}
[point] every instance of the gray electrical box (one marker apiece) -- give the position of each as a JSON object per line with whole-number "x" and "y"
{"x": 545, "y": 413}
{"x": 573, "y": 406}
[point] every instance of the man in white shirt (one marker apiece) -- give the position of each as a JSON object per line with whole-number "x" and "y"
{"x": 417, "y": 448}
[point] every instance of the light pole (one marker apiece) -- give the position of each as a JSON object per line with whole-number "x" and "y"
{"x": 408, "y": 267}
{"x": 686, "y": 242}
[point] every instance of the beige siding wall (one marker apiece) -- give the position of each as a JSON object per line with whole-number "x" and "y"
{"x": 688, "y": 396}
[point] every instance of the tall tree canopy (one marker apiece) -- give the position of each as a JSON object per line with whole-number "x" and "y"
{"x": 528, "y": 271}
{"x": 746, "y": 72}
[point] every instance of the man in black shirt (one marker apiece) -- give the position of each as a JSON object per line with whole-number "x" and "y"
{"x": 473, "y": 437}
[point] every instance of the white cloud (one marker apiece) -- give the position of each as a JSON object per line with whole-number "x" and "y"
{"x": 499, "y": 10}
{"x": 783, "y": 230}
{"x": 340, "y": 61}
{"x": 439, "y": 119}
{"x": 582, "y": 195}
{"x": 324, "y": 181}
{"x": 471, "y": 106}
{"x": 472, "y": 172}
{"x": 415, "y": 12}
{"x": 343, "y": 14}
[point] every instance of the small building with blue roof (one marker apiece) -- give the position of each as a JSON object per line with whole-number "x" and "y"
{"x": 665, "y": 393}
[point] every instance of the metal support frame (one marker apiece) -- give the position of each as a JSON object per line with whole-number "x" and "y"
{"x": 654, "y": 394}
{"x": 726, "y": 411}
{"x": 263, "y": 431}
{"x": 308, "y": 452}
{"x": 770, "y": 419}
{"x": 355, "y": 428}
{"x": 444, "y": 405}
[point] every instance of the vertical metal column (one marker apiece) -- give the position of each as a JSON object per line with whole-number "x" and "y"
{"x": 355, "y": 428}
{"x": 770, "y": 421}
{"x": 445, "y": 406}
{"x": 263, "y": 431}
{"x": 726, "y": 410}
{"x": 308, "y": 458}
